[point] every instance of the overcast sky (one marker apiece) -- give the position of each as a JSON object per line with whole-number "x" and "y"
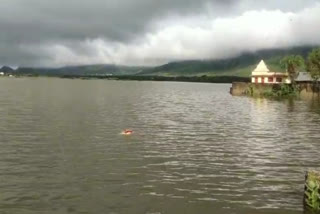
{"x": 149, "y": 32}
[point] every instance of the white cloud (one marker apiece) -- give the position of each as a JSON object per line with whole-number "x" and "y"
{"x": 195, "y": 37}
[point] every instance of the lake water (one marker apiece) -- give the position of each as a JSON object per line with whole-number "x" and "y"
{"x": 195, "y": 148}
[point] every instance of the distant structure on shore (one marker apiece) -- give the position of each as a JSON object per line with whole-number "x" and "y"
{"x": 262, "y": 74}
{"x": 305, "y": 77}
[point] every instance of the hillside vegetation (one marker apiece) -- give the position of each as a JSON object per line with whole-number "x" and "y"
{"x": 238, "y": 66}
{"x": 95, "y": 70}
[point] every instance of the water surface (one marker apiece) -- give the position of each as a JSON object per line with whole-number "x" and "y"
{"x": 196, "y": 149}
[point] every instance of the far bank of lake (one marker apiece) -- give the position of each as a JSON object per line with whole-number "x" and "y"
{"x": 204, "y": 78}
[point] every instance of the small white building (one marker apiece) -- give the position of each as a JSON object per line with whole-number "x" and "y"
{"x": 1, "y": 73}
{"x": 263, "y": 75}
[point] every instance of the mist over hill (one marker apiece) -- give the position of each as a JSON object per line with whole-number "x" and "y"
{"x": 83, "y": 70}
{"x": 237, "y": 66}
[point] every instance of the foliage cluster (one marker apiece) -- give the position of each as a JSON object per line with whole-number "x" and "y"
{"x": 313, "y": 64}
{"x": 283, "y": 90}
{"x": 273, "y": 91}
{"x": 312, "y": 191}
{"x": 293, "y": 63}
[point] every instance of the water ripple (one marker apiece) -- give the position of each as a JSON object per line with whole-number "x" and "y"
{"x": 195, "y": 149}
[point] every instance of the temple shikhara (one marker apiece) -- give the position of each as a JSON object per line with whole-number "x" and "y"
{"x": 262, "y": 74}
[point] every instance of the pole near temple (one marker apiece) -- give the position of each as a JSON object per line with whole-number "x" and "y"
{"x": 311, "y": 199}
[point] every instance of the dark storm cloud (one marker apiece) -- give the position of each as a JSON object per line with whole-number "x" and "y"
{"x": 43, "y": 32}
{"x": 35, "y": 20}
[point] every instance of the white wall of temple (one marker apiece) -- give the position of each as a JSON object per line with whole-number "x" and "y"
{"x": 270, "y": 80}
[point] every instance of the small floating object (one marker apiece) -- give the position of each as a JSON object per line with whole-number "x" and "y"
{"x": 127, "y": 132}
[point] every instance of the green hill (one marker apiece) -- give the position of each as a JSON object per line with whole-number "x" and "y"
{"x": 91, "y": 70}
{"x": 237, "y": 66}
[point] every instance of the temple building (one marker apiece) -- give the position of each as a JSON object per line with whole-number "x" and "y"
{"x": 262, "y": 75}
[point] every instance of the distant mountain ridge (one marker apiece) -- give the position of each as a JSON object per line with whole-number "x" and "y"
{"x": 236, "y": 66}
{"x": 81, "y": 70}
{"x": 6, "y": 69}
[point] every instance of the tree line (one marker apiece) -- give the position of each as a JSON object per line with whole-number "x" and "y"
{"x": 294, "y": 63}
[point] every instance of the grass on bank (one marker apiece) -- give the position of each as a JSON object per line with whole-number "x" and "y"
{"x": 273, "y": 91}
{"x": 284, "y": 90}
{"x": 312, "y": 191}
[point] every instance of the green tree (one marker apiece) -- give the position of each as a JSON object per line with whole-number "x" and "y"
{"x": 313, "y": 64}
{"x": 291, "y": 64}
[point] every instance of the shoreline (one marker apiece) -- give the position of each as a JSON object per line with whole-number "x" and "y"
{"x": 196, "y": 79}
{"x": 200, "y": 79}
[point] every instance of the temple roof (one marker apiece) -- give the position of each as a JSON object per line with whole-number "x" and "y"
{"x": 262, "y": 67}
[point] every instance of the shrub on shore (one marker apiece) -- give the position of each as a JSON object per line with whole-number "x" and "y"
{"x": 273, "y": 91}
{"x": 312, "y": 191}
{"x": 283, "y": 90}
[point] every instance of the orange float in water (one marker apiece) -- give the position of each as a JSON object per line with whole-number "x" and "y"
{"x": 127, "y": 132}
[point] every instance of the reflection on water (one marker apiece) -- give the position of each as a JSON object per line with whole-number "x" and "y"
{"x": 314, "y": 105}
{"x": 196, "y": 149}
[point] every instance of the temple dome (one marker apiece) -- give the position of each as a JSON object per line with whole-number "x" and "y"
{"x": 262, "y": 67}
